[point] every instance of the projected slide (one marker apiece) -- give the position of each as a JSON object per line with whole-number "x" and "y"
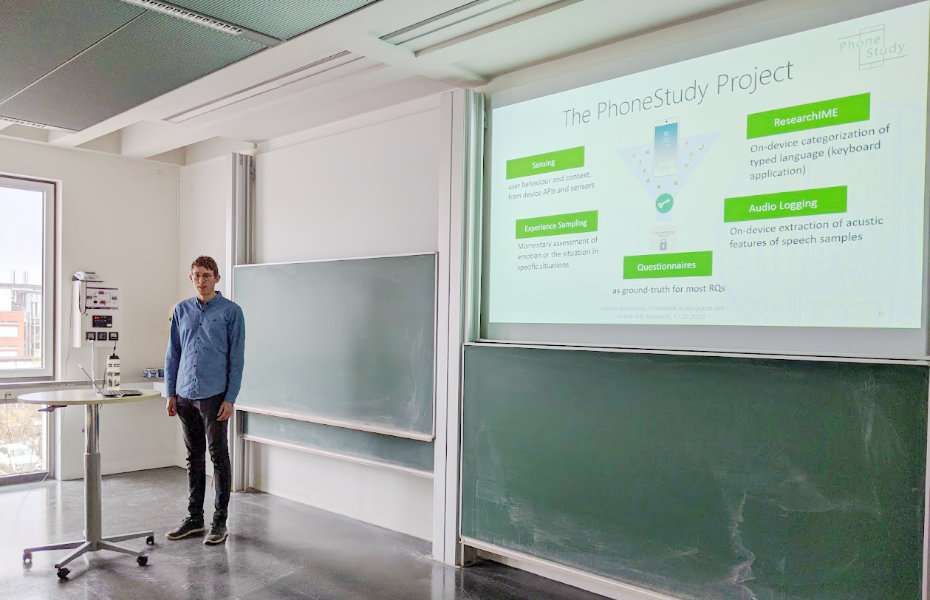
{"x": 776, "y": 184}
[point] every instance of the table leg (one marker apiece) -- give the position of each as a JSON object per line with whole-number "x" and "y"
{"x": 93, "y": 538}
{"x": 128, "y": 536}
{"x": 92, "y": 477}
{"x": 27, "y": 553}
{"x": 85, "y": 547}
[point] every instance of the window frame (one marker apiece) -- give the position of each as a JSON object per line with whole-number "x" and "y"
{"x": 49, "y": 189}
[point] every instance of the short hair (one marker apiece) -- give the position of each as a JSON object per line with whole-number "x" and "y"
{"x": 207, "y": 263}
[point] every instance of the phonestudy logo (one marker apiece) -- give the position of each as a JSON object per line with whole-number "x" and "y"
{"x": 872, "y": 46}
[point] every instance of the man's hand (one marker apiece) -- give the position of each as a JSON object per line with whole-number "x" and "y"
{"x": 226, "y": 411}
{"x": 171, "y": 406}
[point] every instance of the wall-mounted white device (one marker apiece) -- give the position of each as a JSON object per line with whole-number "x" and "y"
{"x": 85, "y": 276}
{"x": 94, "y": 310}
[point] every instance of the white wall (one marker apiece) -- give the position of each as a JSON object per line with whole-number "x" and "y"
{"x": 368, "y": 493}
{"x": 363, "y": 191}
{"x": 204, "y": 203}
{"x": 118, "y": 217}
{"x": 364, "y": 187}
{"x": 203, "y": 210}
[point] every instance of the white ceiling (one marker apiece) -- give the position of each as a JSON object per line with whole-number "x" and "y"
{"x": 351, "y": 66}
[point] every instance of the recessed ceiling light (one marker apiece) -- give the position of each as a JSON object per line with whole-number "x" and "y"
{"x": 203, "y": 20}
{"x": 32, "y": 124}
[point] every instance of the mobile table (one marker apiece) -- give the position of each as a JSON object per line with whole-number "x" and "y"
{"x": 93, "y": 539}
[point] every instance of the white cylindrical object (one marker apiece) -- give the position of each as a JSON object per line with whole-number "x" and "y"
{"x": 112, "y": 374}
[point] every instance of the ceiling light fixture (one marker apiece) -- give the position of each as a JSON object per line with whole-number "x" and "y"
{"x": 15, "y": 121}
{"x": 204, "y": 21}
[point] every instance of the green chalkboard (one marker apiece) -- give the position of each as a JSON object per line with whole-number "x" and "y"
{"x": 701, "y": 477}
{"x": 348, "y": 341}
{"x": 388, "y": 449}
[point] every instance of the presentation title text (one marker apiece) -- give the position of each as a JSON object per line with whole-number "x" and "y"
{"x": 695, "y": 92}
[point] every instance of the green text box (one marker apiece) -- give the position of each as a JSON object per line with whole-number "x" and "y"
{"x": 579, "y": 222}
{"x": 808, "y": 116}
{"x": 801, "y": 203}
{"x": 678, "y": 264}
{"x": 546, "y": 163}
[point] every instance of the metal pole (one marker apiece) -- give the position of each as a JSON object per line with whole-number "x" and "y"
{"x": 241, "y": 251}
{"x": 92, "y": 517}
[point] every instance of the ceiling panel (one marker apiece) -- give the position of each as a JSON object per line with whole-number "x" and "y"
{"x": 282, "y": 19}
{"x": 36, "y": 37}
{"x": 148, "y": 57}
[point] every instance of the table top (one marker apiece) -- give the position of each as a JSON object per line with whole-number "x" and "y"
{"x": 80, "y": 396}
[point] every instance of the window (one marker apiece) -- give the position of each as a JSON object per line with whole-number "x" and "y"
{"x": 23, "y": 441}
{"x": 27, "y": 226}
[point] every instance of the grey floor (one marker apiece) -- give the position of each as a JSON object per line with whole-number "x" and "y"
{"x": 277, "y": 549}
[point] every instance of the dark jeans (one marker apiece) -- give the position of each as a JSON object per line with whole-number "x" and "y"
{"x": 200, "y": 427}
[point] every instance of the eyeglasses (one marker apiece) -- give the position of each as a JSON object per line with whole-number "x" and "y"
{"x": 201, "y": 276}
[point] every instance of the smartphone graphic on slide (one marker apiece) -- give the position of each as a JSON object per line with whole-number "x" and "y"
{"x": 665, "y": 150}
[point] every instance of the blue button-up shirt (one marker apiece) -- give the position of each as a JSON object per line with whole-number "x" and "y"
{"x": 206, "y": 349}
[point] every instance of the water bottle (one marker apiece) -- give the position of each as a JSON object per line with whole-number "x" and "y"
{"x": 112, "y": 374}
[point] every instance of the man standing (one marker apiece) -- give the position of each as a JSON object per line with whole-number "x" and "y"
{"x": 203, "y": 373}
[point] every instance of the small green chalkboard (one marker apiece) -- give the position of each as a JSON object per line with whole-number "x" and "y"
{"x": 347, "y": 341}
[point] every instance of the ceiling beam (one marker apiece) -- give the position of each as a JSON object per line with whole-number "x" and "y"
{"x": 406, "y": 60}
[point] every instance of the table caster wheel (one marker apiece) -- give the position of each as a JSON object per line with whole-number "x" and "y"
{"x": 63, "y": 573}
{"x": 27, "y": 556}
{"x": 150, "y": 540}
{"x": 142, "y": 560}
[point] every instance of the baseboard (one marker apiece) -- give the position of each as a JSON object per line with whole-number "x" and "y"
{"x": 567, "y": 575}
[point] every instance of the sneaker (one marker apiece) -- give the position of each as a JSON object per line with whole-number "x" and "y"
{"x": 216, "y": 536}
{"x": 188, "y": 526}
